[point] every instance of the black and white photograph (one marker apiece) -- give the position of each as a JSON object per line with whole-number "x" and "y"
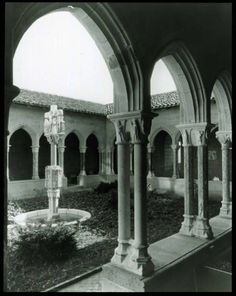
{"x": 117, "y": 147}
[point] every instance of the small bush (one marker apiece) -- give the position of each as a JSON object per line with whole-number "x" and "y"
{"x": 50, "y": 243}
{"x": 104, "y": 187}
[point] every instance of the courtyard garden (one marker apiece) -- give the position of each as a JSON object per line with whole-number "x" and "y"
{"x": 33, "y": 267}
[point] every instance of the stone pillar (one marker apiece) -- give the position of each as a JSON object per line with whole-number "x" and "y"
{"x": 101, "y": 161}
{"x": 175, "y": 156}
{"x": 141, "y": 260}
{"x": 61, "y": 150}
{"x": 225, "y": 139}
{"x": 35, "y": 152}
{"x": 150, "y": 168}
{"x": 202, "y": 227}
{"x": 82, "y": 161}
{"x": 8, "y": 150}
{"x": 131, "y": 150}
{"x": 187, "y": 224}
{"x": 123, "y": 192}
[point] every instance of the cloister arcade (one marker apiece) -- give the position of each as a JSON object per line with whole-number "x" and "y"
{"x": 180, "y": 142}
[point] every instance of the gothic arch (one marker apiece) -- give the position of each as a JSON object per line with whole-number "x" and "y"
{"x": 184, "y": 70}
{"x": 168, "y": 130}
{"x": 108, "y": 34}
{"x": 80, "y": 137}
{"x": 27, "y": 129}
{"x": 222, "y": 91}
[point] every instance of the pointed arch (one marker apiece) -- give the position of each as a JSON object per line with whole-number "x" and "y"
{"x": 187, "y": 78}
{"x": 111, "y": 39}
{"x": 222, "y": 92}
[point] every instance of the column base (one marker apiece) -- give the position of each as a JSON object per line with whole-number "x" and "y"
{"x": 132, "y": 259}
{"x": 141, "y": 262}
{"x": 187, "y": 225}
{"x": 226, "y": 210}
{"x": 120, "y": 252}
{"x": 202, "y": 228}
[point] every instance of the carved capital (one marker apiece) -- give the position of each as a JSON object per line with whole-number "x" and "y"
{"x": 35, "y": 149}
{"x": 82, "y": 149}
{"x": 122, "y": 135}
{"x": 150, "y": 148}
{"x": 224, "y": 137}
{"x": 198, "y": 137}
{"x": 186, "y": 137}
{"x": 193, "y": 134}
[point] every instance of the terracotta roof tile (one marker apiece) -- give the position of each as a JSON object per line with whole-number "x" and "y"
{"x": 33, "y": 98}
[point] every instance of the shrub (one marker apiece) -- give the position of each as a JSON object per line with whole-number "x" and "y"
{"x": 105, "y": 187}
{"x": 50, "y": 243}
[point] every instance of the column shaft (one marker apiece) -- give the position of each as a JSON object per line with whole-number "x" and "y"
{"x": 35, "y": 152}
{"x": 202, "y": 227}
{"x": 174, "y": 149}
{"x": 8, "y": 150}
{"x": 123, "y": 193}
{"x": 140, "y": 185}
{"x": 61, "y": 157}
{"x": 187, "y": 224}
{"x": 53, "y": 154}
{"x": 82, "y": 163}
{"x": 226, "y": 203}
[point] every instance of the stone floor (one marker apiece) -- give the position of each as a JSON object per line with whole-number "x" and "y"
{"x": 88, "y": 284}
{"x": 92, "y": 283}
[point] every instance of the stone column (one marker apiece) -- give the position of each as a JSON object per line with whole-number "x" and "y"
{"x": 225, "y": 139}
{"x": 202, "y": 227}
{"x": 175, "y": 151}
{"x": 141, "y": 260}
{"x": 101, "y": 161}
{"x": 123, "y": 192}
{"x": 35, "y": 152}
{"x": 187, "y": 224}
{"x": 131, "y": 150}
{"x": 150, "y": 168}
{"x": 82, "y": 161}
{"x": 61, "y": 150}
{"x": 8, "y": 150}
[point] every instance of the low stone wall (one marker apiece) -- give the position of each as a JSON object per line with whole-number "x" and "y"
{"x": 176, "y": 186}
{"x": 27, "y": 188}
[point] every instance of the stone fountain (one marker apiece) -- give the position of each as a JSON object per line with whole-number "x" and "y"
{"x": 54, "y": 130}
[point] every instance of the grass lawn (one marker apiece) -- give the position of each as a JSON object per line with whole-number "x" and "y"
{"x": 97, "y": 237}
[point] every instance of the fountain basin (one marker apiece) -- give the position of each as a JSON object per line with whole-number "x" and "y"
{"x": 67, "y": 216}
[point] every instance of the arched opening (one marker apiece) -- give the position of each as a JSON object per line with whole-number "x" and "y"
{"x": 44, "y": 156}
{"x": 20, "y": 156}
{"x": 92, "y": 156}
{"x": 72, "y": 158}
{"x": 163, "y": 155}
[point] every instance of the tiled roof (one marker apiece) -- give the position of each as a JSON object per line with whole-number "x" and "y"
{"x": 33, "y": 98}
{"x": 165, "y": 100}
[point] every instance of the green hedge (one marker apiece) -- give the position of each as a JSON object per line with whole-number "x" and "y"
{"x": 50, "y": 243}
